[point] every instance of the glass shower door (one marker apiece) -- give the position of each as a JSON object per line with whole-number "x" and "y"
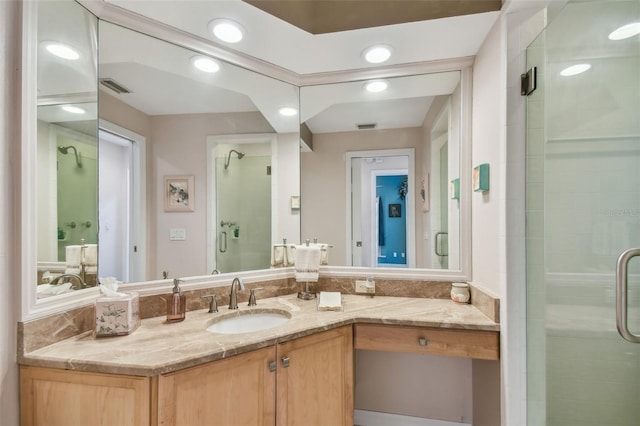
{"x": 583, "y": 213}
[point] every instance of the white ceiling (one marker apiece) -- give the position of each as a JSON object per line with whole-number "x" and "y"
{"x": 280, "y": 43}
{"x": 164, "y": 82}
{"x": 341, "y": 107}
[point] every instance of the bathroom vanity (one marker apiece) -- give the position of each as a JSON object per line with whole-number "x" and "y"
{"x": 297, "y": 373}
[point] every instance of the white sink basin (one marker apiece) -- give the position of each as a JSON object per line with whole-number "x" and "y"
{"x": 249, "y": 321}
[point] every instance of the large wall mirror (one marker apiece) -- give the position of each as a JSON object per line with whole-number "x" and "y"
{"x": 381, "y": 182}
{"x": 143, "y": 130}
{"x": 67, "y": 148}
{"x": 161, "y": 115}
{"x": 208, "y": 122}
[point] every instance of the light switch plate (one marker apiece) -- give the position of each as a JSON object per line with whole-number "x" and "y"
{"x": 177, "y": 234}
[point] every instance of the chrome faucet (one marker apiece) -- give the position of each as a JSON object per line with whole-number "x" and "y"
{"x": 68, "y": 277}
{"x": 233, "y": 297}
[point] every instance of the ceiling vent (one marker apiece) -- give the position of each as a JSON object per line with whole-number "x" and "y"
{"x": 366, "y": 126}
{"x": 114, "y": 85}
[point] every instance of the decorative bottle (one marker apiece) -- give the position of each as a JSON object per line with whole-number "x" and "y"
{"x": 176, "y": 307}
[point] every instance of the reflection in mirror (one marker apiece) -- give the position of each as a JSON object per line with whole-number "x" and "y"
{"x": 387, "y": 158}
{"x": 194, "y": 122}
{"x": 67, "y": 148}
{"x": 242, "y": 183}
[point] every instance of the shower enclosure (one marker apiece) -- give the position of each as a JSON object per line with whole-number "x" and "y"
{"x": 77, "y": 202}
{"x": 243, "y": 207}
{"x": 583, "y": 213}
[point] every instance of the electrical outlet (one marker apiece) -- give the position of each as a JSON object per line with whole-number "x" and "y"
{"x": 361, "y": 287}
{"x": 365, "y": 287}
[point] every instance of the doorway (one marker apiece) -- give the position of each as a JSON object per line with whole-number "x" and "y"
{"x": 583, "y": 213}
{"x": 121, "y": 204}
{"x": 381, "y": 208}
{"x": 390, "y": 212}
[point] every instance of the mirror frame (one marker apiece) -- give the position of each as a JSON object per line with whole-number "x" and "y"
{"x": 31, "y": 308}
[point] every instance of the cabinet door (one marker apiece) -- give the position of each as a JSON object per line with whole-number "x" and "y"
{"x": 239, "y": 390}
{"x": 61, "y": 397}
{"x": 315, "y": 379}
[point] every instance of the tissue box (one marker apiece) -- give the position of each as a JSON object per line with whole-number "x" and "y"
{"x": 117, "y": 316}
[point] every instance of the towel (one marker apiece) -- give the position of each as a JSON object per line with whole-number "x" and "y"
{"x": 330, "y": 301}
{"x": 90, "y": 255}
{"x": 278, "y": 256}
{"x": 282, "y": 255}
{"x": 380, "y": 219}
{"x": 307, "y": 263}
{"x": 73, "y": 256}
{"x": 290, "y": 255}
{"x": 324, "y": 253}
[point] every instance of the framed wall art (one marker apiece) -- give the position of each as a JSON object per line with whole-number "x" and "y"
{"x": 179, "y": 193}
{"x": 395, "y": 210}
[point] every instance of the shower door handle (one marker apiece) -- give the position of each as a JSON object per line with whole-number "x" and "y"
{"x": 438, "y": 244}
{"x": 621, "y": 295}
{"x": 222, "y": 242}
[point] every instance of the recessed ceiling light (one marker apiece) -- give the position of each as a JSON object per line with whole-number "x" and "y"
{"x": 574, "y": 70}
{"x": 288, "y": 111}
{"x": 376, "y": 86}
{"x": 377, "y": 54}
{"x": 205, "y": 64}
{"x": 62, "y": 51}
{"x": 73, "y": 109}
{"x": 226, "y": 30}
{"x": 625, "y": 31}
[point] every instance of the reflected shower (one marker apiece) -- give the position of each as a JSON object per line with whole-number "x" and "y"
{"x": 65, "y": 150}
{"x": 240, "y": 155}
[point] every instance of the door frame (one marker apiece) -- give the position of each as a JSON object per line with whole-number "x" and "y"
{"x": 137, "y": 252}
{"x": 411, "y": 225}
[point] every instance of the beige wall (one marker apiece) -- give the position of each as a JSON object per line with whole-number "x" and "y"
{"x": 10, "y": 197}
{"x": 323, "y": 182}
{"x": 417, "y": 385}
{"x": 177, "y": 145}
{"x": 489, "y": 134}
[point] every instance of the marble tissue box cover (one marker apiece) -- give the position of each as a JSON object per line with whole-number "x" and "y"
{"x": 117, "y": 316}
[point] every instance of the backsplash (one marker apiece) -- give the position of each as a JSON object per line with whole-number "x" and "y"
{"x": 43, "y": 332}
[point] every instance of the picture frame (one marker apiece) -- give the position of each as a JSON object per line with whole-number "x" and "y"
{"x": 295, "y": 202}
{"x": 179, "y": 193}
{"x": 395, "y": 210}
{"x": 454, "y": 189}
{"x": 481, "y": 178}
{"x": 425, "y": 193}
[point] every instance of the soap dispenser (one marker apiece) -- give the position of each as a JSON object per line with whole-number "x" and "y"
{"x": 176, "y": 309}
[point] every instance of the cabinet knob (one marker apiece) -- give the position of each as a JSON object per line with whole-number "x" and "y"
{"x": 286, "y": 361}
{"x": 272, "y": 366}
{"x": 422, "y": 341}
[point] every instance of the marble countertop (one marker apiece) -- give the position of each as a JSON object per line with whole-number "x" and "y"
{"x": 157, "y": 348}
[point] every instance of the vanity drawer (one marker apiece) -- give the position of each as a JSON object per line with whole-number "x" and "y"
{"x": 477, "y": 344}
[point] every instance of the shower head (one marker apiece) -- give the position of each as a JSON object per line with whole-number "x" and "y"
{"x": 239, "y": 154}
{"x": 65, "y": 150}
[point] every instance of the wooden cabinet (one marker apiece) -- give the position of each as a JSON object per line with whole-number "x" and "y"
{"x": 315, "y": 379}
{"x": 306, "y": 381}
{"x": 476, "y": 344}
{"x": 311, "y": 376}
{"x": 239, "y": 390}
{"x": 61, "y": 397}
